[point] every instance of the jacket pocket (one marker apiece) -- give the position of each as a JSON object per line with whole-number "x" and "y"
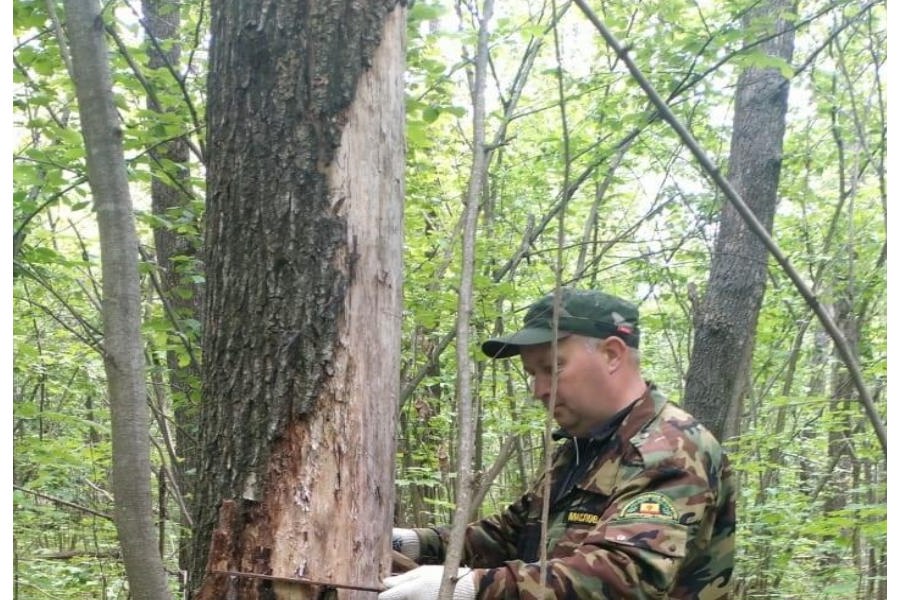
{"x": 667, "y": 539}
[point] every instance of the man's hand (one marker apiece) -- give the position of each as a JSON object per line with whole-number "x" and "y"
{"x": 406, "y": 542}
{"x": 424, "y": 583}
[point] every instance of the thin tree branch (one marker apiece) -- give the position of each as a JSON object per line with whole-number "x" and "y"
{"x": 65, "y": 503}
{"x": 19, "y": 233}
{"x": 179, "y": 79}
{"x": 151, "y": 93}
{"x": 487, "y": 478}
{"x": 96, "y": 298}
{"x": 92, "y": 337}
{"x": 32, "y": 84}
{"x": 560, "y": 241}
{"x": 170, "y": 312}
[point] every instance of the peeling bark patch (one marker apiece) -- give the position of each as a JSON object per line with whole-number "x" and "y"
{"x": 238, "y": 527}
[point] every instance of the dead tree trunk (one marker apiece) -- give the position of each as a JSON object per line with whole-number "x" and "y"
{"x": 724, "y": 328}
{"x": 302, "y": 304}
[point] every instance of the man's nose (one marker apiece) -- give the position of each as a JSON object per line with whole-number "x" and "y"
{"x": 541, "y": 387}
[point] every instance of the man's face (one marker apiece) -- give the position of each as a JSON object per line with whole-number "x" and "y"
{"x": 582, "y": 398}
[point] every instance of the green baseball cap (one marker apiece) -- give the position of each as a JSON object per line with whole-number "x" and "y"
{"x": 586, "y": 312}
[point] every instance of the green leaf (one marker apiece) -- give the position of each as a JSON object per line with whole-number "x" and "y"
{"x": 44, "y": 255}
{"x": 416, "y": 133}
{"x": 431, "y": 113}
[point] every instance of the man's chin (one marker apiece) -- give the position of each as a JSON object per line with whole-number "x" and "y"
{"x": 565, "y": 422}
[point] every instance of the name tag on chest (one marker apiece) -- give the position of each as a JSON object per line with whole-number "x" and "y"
{"x": 577, "y": 517}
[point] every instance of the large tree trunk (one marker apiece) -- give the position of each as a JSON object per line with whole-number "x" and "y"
{"x": 303, "y": 297}
{"x": 123, "y": 350}
{"x": 725, "y": 326}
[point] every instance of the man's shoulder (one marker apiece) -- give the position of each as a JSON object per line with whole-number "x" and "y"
{"x": 675, "y": 434}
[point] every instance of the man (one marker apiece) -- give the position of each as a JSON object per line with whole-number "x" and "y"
{"x": 641, "y": 496}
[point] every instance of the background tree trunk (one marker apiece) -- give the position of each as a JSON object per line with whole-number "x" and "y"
{"x": 303, "y": 299}
{"x": 122, "y": 342}
{"x": 176, "y": 251}
{"x": 724, "y": 329}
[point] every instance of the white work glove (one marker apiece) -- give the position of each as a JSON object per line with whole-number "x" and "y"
{"x": 406, "y": 542}
{"x": 424, "y": 583}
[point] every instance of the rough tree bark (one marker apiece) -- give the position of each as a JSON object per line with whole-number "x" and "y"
{"x": 123, "y": 350}
{"x": 303, "y": 298}
{"x": 725, "y": 323}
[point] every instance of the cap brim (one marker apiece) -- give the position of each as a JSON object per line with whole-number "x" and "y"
{"x": 511, "y": 345}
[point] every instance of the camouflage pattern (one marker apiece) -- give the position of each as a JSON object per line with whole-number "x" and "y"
{"x": 652, "y": 517}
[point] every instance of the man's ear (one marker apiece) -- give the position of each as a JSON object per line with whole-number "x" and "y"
{"x": 615, "y": 350}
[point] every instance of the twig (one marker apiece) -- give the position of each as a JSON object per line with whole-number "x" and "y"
{"x": 62, "y": 502}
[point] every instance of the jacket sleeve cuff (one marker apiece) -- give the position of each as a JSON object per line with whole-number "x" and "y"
{"x": 431, "y": 546}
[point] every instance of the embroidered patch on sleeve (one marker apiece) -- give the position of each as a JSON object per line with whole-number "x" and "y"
{"x": 651, "y": 505}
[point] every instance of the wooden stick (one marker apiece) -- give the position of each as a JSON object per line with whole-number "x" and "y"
{"x": 300, "y": 580}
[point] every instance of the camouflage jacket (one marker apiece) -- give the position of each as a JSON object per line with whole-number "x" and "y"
{"x": 651, "y": 516}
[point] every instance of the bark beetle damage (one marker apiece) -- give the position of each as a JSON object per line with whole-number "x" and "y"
{"x": 245, "y": 534}
{"x": 238, "y": 528}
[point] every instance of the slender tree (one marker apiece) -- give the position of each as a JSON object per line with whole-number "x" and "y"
{"x": 302, "y": 305}
{"x": 171, "y": 197}
{"x": 725, "y": 324}
{"x": 464, "y": 394}
{"x": 123, "y": 350}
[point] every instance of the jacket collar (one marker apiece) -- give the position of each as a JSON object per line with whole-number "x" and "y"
{"x": 645, "y": 410}
{"x": 632, "y": 431}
